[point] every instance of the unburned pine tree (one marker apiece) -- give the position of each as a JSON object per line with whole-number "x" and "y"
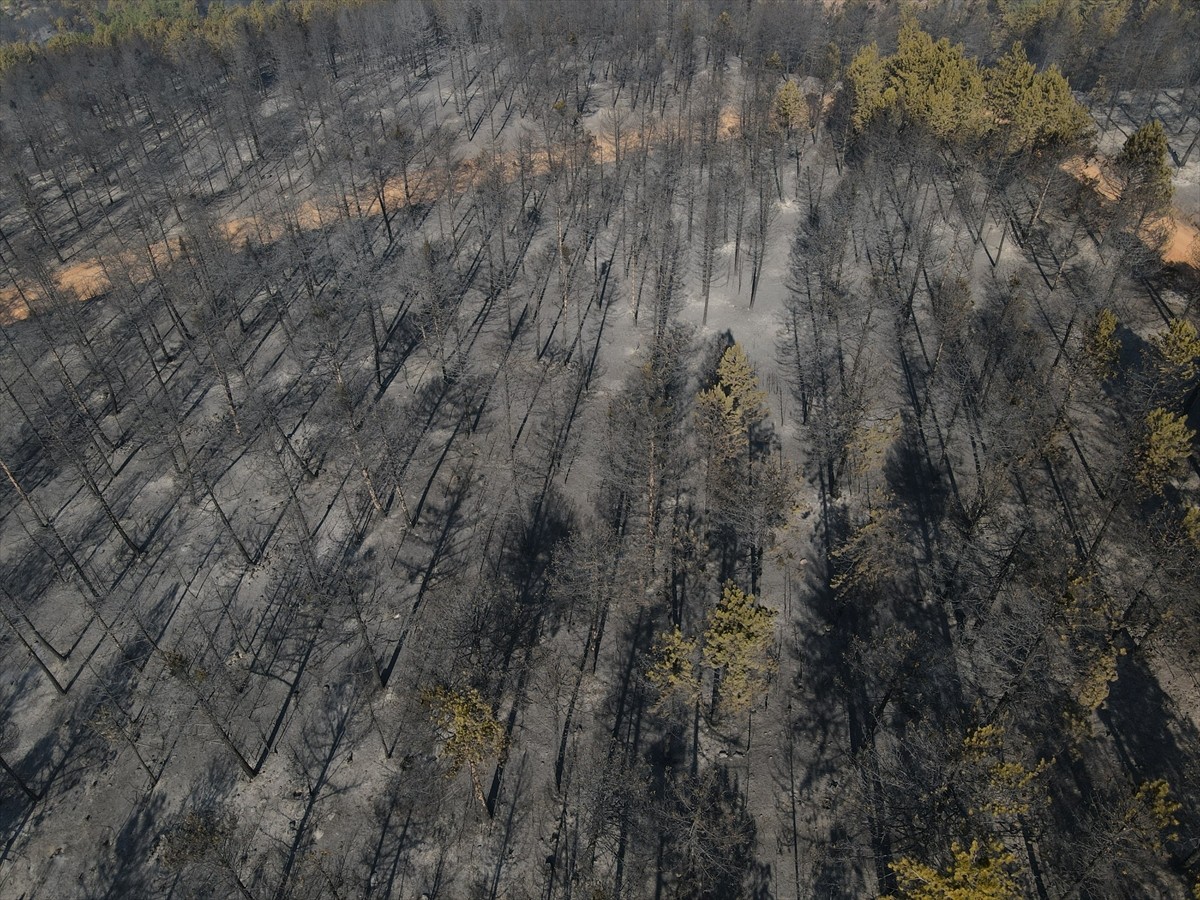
{"x": 1166, "y": 443}
{"x": 789, "y": 111}
{"x": 874, "y": 553}
{"x": 929, "y": 83}
{"x": 1033, "y": 110}
{"x": 1144, "y": 173}
{"x": 673, "y": 671}
{"x": 471, "y": 732}
{"x": 975, "y": 873}
{"x": 1174, "y": 358}
{"x": 1101, "y": 347}
{"x": 737, "y": 644}
{"x": 1128, "y": 826}
{"x": 728, "y": 411}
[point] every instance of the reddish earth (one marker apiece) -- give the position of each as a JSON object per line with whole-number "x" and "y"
{"x": 1182, "y": 246}
{"x": 86, "y": 279}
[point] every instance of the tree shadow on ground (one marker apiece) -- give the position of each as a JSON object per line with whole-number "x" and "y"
{"x": 1154, "y": 740}
{"x": 122, "y": 869}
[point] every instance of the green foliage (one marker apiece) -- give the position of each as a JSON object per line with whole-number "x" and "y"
{"x": 1101, "y": 347}
{"x": 976, "y": 873}
{"x": 124, "y": 17}
{"x": 1033, "y": 108}
{"x": 1166, "y": 443}
{"x": 871, "y": 92}
{"x": 1176, "y": 351}
{"x": 1190, "y": 525}
{"x": 1086, "y": 622}
{"x": 167, "y": 24}
{"x": 938, "y": 86}
{"x": 1027, "y": 17}
{"x": 16, "y": 55}
{"x": 932, "y": 84}
{"x": 1150, "y": 813}
{"x": 673, "y": 671}
{"x": 471, "y": 733}
{"x": 721, "y": 428}
{"x": 1093, "y": 689}
{"x": 737, "y": 644}
{"x": 789, "y": 111}
{"x": 730, "y": 408}
{"x": 736, "y": 377}
{"x": 722, "y": 35}
{"x": 869, "y": 444}
{"x": 1006, "y": 784}
{"x": 1142, "y": 165}
{"x": 935, "y": 85}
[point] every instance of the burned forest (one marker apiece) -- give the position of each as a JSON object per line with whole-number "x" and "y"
{"x": 599, "y": 449}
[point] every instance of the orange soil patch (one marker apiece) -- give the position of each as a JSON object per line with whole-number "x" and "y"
{"x": 1182, "y": 245}
{"x": 604, "y": 147}
{"x": 86, "y": 279}
{"x": 604, "y": 144}
{"x": 12, "y": 307}
{"x": 729, "y": 123}
{"x": 240, "y": 231}
{"x": 1089, "y": 171}
{"x": 83, "y": 279}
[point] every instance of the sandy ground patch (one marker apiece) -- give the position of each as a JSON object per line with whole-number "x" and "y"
{"x": 1182, "y": 245}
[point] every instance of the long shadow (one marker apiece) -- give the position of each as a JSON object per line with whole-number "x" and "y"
{"x": 510, "y": 826}
{"x": 321, "y": 749}
{"x": 441, "y": 524}
{"x": 708, "y": 839}
{"x": 123, "y": 871}
{"x": 1154, "y": 740}
{"x": 31, "y": 462}
{"x": 28, "y": 576}
{"x": 411, "y": 802}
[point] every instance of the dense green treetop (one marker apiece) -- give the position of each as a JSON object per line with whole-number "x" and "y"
{"x": 166, "y": 25}
{"x": 934, "y": 85}
{"x": 1142, "y": 164}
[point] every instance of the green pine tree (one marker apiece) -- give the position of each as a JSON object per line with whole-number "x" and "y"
{"x": 1176, "y": 351}
{"x": 870, "y": 86}
{"x": 1033, "y": 109}
{"x": 1101, "y": 347}
{"x": 673, "y": 670}
{"x": 1167, "y": 442}
{"x": 731, "y": 408}
{"x": 976, "y": 873}
{"x": 789, "y": 110}
{"x": 939, "y": 86}
{"x": 737, "y": 646}
{"x": 471, "y": 732}
{"x": 1142, "y": 166}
